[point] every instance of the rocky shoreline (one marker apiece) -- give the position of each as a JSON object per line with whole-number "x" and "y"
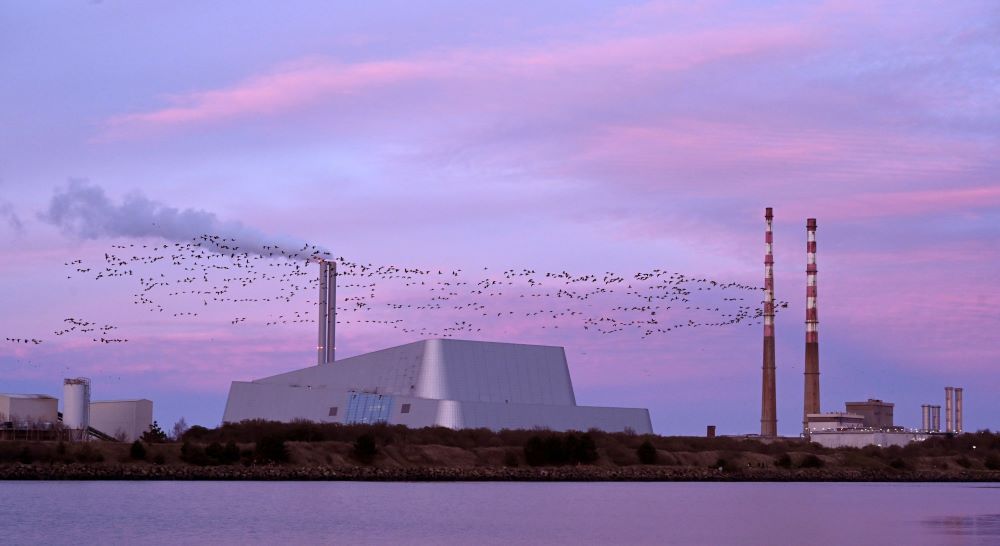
{"x": 75, "y": 471}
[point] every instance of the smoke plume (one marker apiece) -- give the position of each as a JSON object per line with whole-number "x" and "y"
{"x": 7, "y": 213}
{"x": 84, "y": 210}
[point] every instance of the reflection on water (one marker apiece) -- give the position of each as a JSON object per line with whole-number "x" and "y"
{"x": 485, "y": 514}
{"x": 978, "y": 526}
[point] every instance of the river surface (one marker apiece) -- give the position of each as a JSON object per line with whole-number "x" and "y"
{"x": 291, "y": 513}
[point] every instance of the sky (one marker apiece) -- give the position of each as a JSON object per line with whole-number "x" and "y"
{"x": 577, "y": 136}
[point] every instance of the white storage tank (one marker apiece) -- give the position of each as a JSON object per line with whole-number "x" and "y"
{"x": 76, "y": 404}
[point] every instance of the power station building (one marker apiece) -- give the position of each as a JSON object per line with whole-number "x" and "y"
{"x": 434, "y": 382}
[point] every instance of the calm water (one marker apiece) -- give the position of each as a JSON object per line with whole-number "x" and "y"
{"x": 290, "y": 513}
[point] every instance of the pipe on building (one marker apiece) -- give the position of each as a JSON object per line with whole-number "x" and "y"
{"x": 768, "y": 406}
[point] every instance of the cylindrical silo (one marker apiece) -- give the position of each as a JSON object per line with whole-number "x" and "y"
{"x": 76, "y": 405}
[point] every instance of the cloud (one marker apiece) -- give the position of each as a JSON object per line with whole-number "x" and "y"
{"x": 541, "y": 72}
{"x": 8, "y": 214}
{"x": 84, "y": 210}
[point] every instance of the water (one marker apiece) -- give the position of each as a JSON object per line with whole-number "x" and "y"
{"x": 290, "y": 513}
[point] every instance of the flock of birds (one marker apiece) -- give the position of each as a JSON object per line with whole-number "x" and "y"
{"x": 191, "y": 279}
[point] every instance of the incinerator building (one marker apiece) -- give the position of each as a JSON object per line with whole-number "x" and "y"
{"x": 435, "y": 382}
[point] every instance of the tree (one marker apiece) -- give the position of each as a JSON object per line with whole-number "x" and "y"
{"x": 180, "y": 427}
{"x": 365, "y": 449}
{"x": 271, "y": 449}
{"x": 137, "y": 451}
{"x": 647, "y": 453}
{"x": 154, "y": 435}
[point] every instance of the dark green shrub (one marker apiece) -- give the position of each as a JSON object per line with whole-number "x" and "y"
{"x": 784, "y": 461}
{"x": 555, "y": 451}
{"x": 811, "y": 461}
{"x": 534, "y": 451}
{"x": 510, "y": 459}
{"x": 214, "y": 451}
{"x": 137, "y": 451}
{"x": 586, "y": 450}
{"x": 898, "y": 463}
{"x": 647, "y": 453}
{"x": 365, "y": 449}
{"x": 271, "y": 449}
{"x": 25, "y": 456}
{"x": 196, "y": 432}
{"x": 992, "y": 461}
{"x": 963, "y": 462}
{"x": 159, "y": 459}
{"x": 87, "y": 454}
{"x": 230, "y": 453}
{"x": 194, "y": 454}
{"x": 154, "y": 435}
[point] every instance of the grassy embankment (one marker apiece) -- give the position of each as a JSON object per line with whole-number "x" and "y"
{"x": 296, "y": 449}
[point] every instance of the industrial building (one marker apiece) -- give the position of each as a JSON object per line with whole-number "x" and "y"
{"x": 125, "y": 420}
{"x": 834, "y": 421}
{"x": 877, "y": 414}
{"x": 28, "y": 409}
{"x": 37, "y": 416}
{"x": 435, "y": 382}
{"x": 866, "y": 437}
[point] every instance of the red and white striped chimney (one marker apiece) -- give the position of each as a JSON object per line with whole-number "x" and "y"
{"x": 811, "y": 399}
{"x": 768, "y": 407}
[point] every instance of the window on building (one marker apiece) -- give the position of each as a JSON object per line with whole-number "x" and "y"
{"x": 363, "y": 407}
{"x": 333, "y": 411}
{"x": 405, "y": 408}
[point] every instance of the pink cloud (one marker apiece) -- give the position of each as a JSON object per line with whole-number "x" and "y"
{"x": 492, "y": 72}
{"x": 289, "y": 86}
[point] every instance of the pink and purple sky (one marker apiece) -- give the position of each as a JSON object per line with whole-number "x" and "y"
{"x": 580, "y": 136}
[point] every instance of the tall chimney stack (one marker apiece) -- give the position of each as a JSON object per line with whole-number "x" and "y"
{"x": 768, "y": 406}
{"x": 936, "y": 418}
{"x": 958, "y": 410}
{"x": 327, "y": 319}
{"x": 925, "y": 417}
{"x": 811, "y": 399}
{"x": 949, "y": 415}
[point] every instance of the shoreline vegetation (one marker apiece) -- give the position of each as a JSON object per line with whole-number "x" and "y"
{"x": 260, "y": 450}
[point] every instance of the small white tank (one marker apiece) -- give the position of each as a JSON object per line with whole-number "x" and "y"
{"x": 76, "y": 404}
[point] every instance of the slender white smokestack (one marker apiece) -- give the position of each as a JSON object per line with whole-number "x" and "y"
{"x": 949, "y": 415}
{"x": 327, "y": 319}
{"x": 958, "y": 410}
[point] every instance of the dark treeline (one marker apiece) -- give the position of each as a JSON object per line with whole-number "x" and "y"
{"x": 306, "y": 443}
